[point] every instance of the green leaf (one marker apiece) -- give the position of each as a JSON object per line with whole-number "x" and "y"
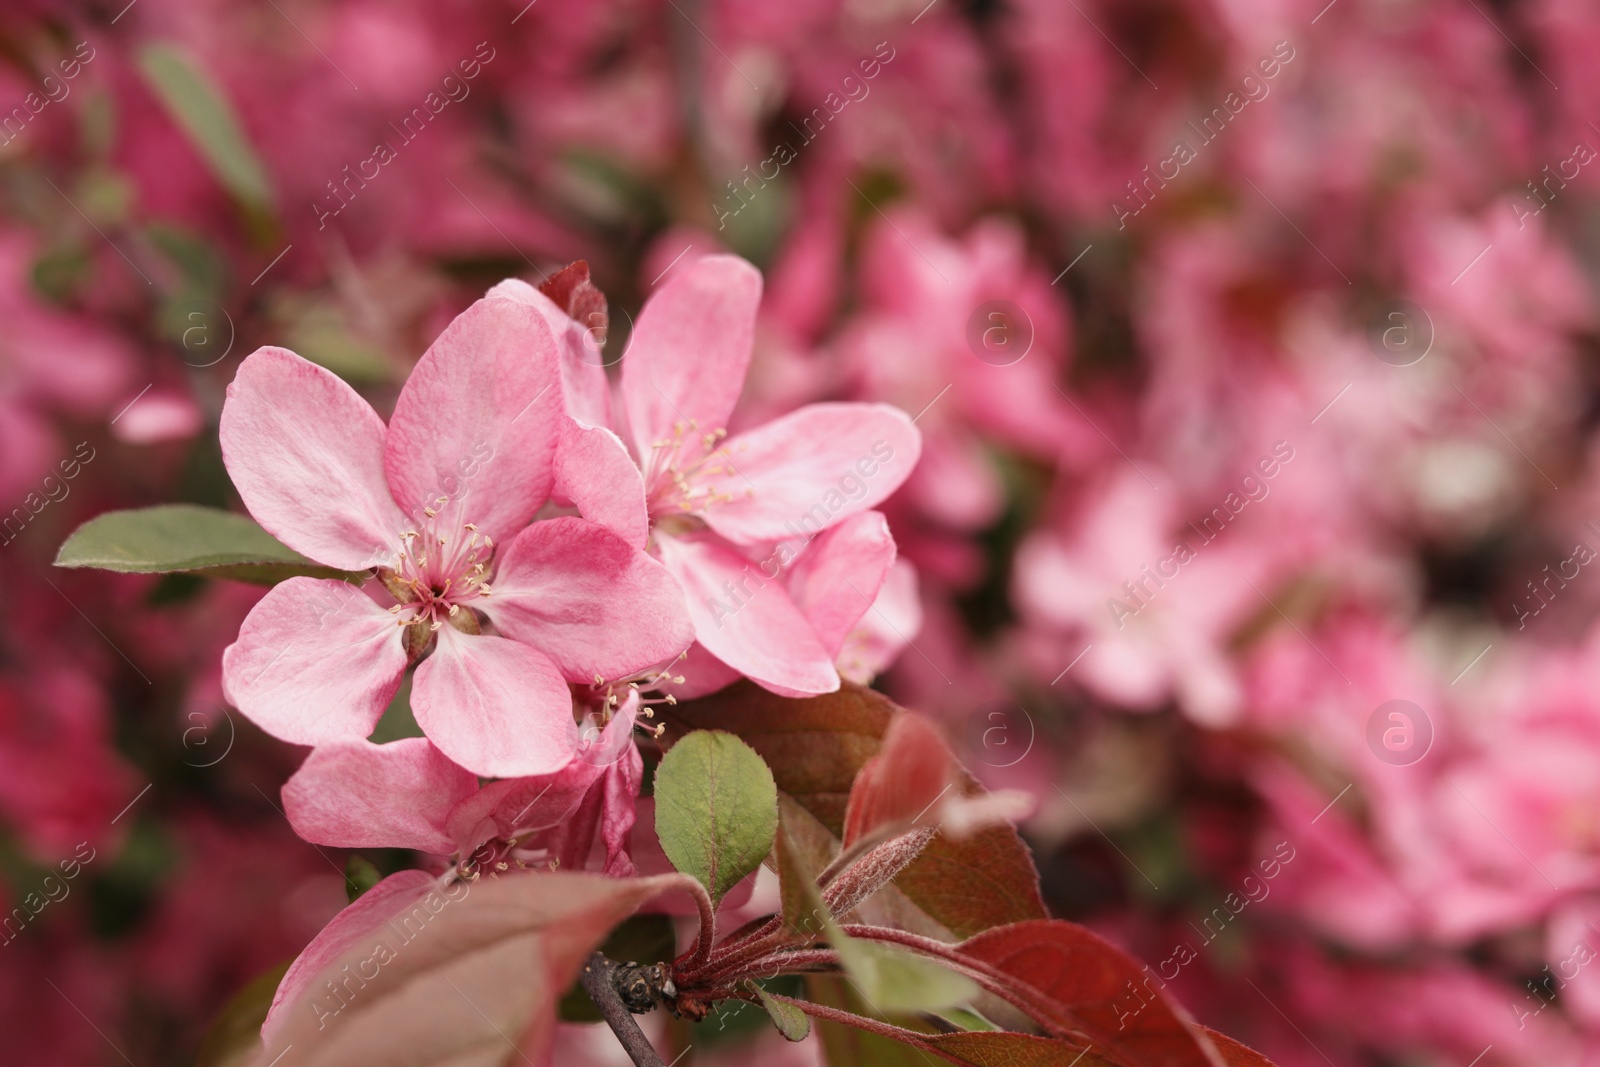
{"x": 790, "y": 1020}
{"x": 892, "y": 979}
{"x": 186, "y": 537}
{"x": 888, "y": 977}
{"x": 968, "y": 1020}
{"x": 816, "y": 745}
{"x": 360, "y": 875}
{"x": 234, "y": 1036}
{"x": 200, "y": 109}
{"x": 797, "y": 879}
{"x": 716, "y": 809}
{"x": 846, "y": 1046}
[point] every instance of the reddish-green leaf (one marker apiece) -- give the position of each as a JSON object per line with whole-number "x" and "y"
{"x": 427, "y": 976}
{"x": 816, "y": 746}
{"x": 1098, "y": 990}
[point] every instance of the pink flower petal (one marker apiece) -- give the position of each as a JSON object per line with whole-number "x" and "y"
{"x": 476, "y": 421}
{"x": 306, "y": 454}
{"x": 595, "y": 472}
{"x": 390, "y": 897}
{"x": 354, "y": 794}
{"x": 883, "y": 632}
{"x": 495, "y": 706}
{"x": 746, "y": 619}
{"x": 584, "y": 386}
{"x": 585, "y": 598}
{"x": 702, "y": 674}
{"x": 800, "y": 474}
{"x": 690, "y": 349}
{"x": 619, "y": 811}
{"x": 836, "y": 579}
{"x": 540, "y": 802}
{"x": 316, "y": 660}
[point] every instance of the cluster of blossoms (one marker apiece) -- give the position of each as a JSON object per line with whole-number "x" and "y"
{"x": 542, "y": 571}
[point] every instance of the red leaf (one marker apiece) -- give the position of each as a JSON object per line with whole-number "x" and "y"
{"x": 816, "y": 746}
{"x": 1013, "y": 1050}
{"x": 1235, "y": 1054}
{"x": 909, "y": 775}
{"x": 1103, "y": 993}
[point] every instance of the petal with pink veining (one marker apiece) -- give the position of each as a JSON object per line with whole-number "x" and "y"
{"x": 619, "y": 813}
{"x": 539, "y": 802}
{"x": 801, "y": 473}
{"x": 588, "y": 600}
{"x": 595, "y": 472}
{"x": 355, "y": 794}
{"x": 495, "y": 706}
{"x": 584, "y": 386}
{"x": 746, "y": 619}
{"x": 306, "y": 454}
{"x": 690, "y": 349}
{"x": 836, "y": 579}
{"x": 316, "y": 660}
{"x": 476, "y": 424}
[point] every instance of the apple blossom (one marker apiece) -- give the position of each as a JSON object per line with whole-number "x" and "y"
{"x": 437, "y": 505}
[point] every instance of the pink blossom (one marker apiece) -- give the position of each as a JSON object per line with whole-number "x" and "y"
{"x": 408, "y": 794}
{"x": 438, "y": 503}
{"x": 727, "y": 517}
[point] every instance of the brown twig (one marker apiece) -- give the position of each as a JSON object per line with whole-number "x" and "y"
{"x": 598, "y": 979}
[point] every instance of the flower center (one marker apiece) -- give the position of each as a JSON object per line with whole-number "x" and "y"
{"x": 677, "y": 470}
{"x": 442, "y": 566}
